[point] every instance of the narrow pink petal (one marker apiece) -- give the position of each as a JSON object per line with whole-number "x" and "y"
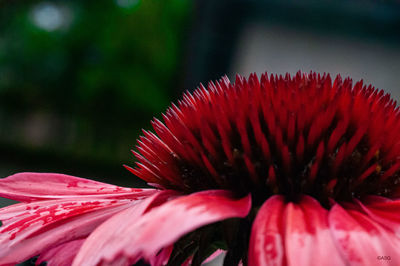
{"x": 307, "y": 236}
{"x": 361, "y": 240}
{"x": 267, "y": 240}
{"x": 39, "y": 186}
{"x": 162, "y": 257}
{"x": 30, "y": 228}
{"x": 189, "y": 260}
{"x": 61, "y": 255}
{"x": 386, "y": 213}
{"x": 214, "y": 255}
{"x": 136, "y": 234}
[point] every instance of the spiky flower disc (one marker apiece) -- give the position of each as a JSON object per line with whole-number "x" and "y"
{"x": 277, "y": 135}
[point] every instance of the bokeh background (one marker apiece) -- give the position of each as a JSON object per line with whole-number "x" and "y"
{"x": 80, "y": 79}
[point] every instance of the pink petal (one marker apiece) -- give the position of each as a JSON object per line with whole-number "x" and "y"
{"x": 362, "y": 240}
{"x": 61, "y": 255}
{"x": 189, "y": 260}
{"x": 30, "y": 228}
{"x": 136, "y": 234}
{"x": 214, "y": 255}
{"x": 292, "y": 234}
{"x": 39, "y": 186}
{"x": 132, "y": 213}
{"x": 162, "y": 257}
{"x": 308, "y": 238}
{"x": 267, "y": 237}
{"x": 386, "y": 213}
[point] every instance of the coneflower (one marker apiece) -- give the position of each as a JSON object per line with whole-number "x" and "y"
{"x": 275, "y": 171}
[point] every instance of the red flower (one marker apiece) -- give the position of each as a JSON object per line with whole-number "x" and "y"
{"x": 309, "y": 170}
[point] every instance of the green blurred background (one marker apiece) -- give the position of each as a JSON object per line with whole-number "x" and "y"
{"x": 80, "y": 79}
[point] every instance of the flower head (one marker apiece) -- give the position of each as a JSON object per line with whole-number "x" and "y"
{"x": 292, "y": 136}
{"x": 276, "y": 171}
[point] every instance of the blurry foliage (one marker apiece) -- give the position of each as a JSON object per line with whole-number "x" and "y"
{"x": 94, "y": 71}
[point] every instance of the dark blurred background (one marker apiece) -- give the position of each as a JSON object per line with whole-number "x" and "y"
{"x": 79, "y": 79}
